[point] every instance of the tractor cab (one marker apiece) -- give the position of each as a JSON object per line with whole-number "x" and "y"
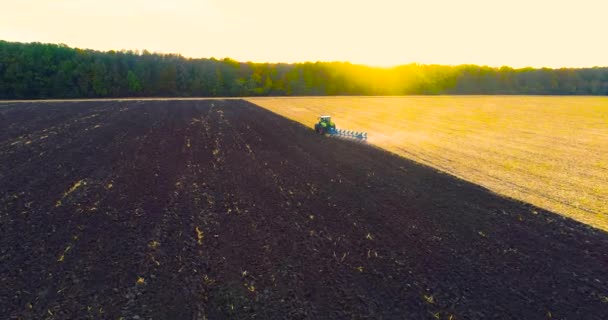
{"x": 325, "y": 119}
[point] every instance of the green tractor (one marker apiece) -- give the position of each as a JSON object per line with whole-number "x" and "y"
{"x": 325, "y": 125}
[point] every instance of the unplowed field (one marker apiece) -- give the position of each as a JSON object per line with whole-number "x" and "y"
{"x": 212, "y": 209}
{"x": 548, "y": 151}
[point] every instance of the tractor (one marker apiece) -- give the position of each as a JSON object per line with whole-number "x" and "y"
{"x": 327, "y": 127}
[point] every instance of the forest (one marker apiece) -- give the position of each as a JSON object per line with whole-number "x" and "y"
{"x": 40, "y": 71}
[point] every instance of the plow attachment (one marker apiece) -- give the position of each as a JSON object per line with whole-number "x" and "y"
{"x": 349, "y": 134}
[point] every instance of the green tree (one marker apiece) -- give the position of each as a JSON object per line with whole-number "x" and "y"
{"x": 134, "y": 85}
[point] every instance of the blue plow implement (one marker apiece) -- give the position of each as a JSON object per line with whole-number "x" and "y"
{"x": 348, "y": 134}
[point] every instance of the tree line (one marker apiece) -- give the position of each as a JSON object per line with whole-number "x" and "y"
{"x": 37, "y": 70}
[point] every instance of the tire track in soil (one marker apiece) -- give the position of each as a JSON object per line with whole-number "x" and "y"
{"x": 178, "y": 248}
{"x": 247, "y": 216}
{"x": 219, "y": 209}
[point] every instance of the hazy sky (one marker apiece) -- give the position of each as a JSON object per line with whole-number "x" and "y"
{"x": 518, "y": 33}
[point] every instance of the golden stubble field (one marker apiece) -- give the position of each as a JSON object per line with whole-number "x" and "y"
{"x": 548, "y": 151}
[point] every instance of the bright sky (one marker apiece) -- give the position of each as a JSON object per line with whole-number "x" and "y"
{"x": 519, "y": 33}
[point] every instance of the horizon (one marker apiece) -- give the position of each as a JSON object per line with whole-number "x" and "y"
{"x": 385, "y": 34}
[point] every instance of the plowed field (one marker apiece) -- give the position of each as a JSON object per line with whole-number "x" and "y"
{"x": 212, "y": 209}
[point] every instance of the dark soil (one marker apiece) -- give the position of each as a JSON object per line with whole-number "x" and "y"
{"x": 219, "y": 209}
